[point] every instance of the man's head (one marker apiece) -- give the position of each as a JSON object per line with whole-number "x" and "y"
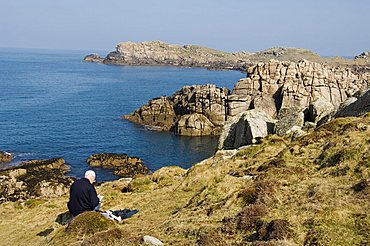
{"x": 90, "y": 175}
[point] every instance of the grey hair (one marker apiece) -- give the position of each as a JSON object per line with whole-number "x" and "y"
{"x": 90, "y": 173}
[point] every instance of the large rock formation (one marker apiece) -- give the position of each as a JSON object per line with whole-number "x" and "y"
{"x": 159, "y": 113}
{"x": 275, "y": 85}
{"x": 293, "y": 93}
{"x": 123, "y": 165}
{"x": 245, "y": 129}
{"x": 34, "y": 179}
{"x": 194, "y": 125}
{"x": 194, "y": 110}
{"x": 357, "y": 107}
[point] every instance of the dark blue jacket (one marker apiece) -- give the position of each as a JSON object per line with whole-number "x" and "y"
{"x": 82, "y": 197}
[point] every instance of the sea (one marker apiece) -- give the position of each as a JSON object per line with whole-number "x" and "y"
{"x": 54, "y": 105}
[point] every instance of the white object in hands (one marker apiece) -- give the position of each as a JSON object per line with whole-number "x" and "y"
{"x": 100, "y": 197}
{"x": 112, "y": 216}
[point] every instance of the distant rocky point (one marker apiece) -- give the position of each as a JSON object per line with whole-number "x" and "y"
{"x": 155, "y": 53}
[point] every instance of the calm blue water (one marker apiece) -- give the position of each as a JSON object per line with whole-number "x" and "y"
{"x": 54, "y": 105}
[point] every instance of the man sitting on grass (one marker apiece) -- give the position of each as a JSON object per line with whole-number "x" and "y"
{"x": 83, "y": 196}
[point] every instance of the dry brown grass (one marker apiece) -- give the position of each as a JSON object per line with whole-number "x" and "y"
{"x": 316, "y": 186}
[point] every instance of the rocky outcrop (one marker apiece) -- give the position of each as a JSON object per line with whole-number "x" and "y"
{"x": 5, "y": 157}
{"x": 319, "y": 109}
{"x": 245, "y": 129}
{"x": 93, "y": 58}
{"x": 159, "y": 113}
{"x": 194, "y": 110}
{"x": 123, "y": 165}
{"x": 34, "y": 179}
{"x": 275, "y": 85}
{"x": 357, "y": 107}
{"x": 194, "y": 125}
{"x": 287, "y": 119}
{"x": 160, "y": 53}
{"x": 293, "y": 93}
{"x": 364, "y": 56}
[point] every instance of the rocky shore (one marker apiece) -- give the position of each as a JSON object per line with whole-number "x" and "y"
{"x": 34, "y": 179}
{"x": 5, "y": 157}
{"x": 123, "y": 165}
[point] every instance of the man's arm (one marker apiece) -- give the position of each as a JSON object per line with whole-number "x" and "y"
{"x": 93, "y": 198}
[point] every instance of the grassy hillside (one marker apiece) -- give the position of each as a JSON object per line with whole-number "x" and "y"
{"x": 313, "y": 190}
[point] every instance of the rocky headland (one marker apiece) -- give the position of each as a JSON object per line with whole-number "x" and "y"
{"x": 192, "y": 111}
{"x": 157, "y": 53}
{"x": 122, "y": 164}
{"x": 287, "y": 94}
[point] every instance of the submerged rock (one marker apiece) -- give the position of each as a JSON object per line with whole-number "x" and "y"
{"x": 5, "y": 157}
{"x": 34, "y": 179}
{"x": 123, "y": 165}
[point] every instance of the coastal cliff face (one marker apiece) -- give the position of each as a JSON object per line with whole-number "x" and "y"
{"x": 275, "y": 85}
{"x": 291, "y": 93}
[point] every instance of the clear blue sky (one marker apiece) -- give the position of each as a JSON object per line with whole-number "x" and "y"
{"x": 328, "y": 27}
